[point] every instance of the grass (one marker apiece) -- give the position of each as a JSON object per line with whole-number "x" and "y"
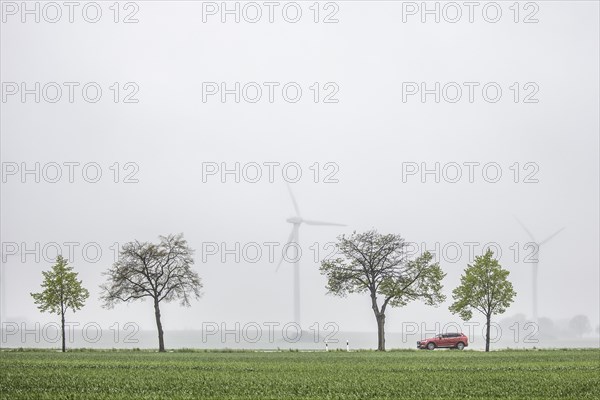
{"x": 542, "y": 374}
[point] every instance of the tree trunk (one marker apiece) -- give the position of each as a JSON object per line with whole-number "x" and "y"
{"x": 62, "y": 324}
{"x": 380, "y": 317}
{"x": 380, "y": 332}
{"x": 161, "y": 342}
{"x": 487, "y": 333}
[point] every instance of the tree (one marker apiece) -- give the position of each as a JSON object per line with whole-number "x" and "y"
{"x": 161, "y": 272}
{"x": 61, "y": 292}
{"x": 580, "y": 324}
{"x": 484, "y": 287}
{"x": 377, "y": 264}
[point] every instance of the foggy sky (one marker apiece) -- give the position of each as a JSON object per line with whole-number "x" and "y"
{"x": 368, "y": 134}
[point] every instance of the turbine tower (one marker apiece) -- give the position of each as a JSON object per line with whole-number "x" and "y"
{"x": 294, "y": 237}
{"x": 534, "y": 289}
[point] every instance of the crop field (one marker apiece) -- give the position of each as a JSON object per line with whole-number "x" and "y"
{"x": 540, "y": 374}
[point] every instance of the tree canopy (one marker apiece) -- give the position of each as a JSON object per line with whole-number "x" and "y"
{"x": 162, "y": 272}
{"x": 484, "y": 287}
{"x": 61, "y": 291}
{"x": 377, "y": 264}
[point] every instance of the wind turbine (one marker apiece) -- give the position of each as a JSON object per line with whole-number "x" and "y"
{"x": 534, "y": 290}
{"x": 294, "y": 237}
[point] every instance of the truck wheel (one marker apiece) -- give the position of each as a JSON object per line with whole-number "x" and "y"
{"x": 430, "y": 346}
{"x": 460, "y": 345}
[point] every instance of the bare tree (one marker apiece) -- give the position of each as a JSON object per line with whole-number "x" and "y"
{"x": 377, "y": 264}
{"x": 161, "y": 272}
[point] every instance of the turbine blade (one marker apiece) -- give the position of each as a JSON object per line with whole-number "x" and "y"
{"x": 311, "y": 222}
{"x": 294, "y": 200}
{"x": 290, "y": 238}
{"x": 525, "y": 228}
{"x": 551, "y": 236}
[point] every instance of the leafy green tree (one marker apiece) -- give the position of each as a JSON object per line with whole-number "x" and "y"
{"x": 161, "y": 272}
{"x": 61, "y": 292}
{"x": 377, "y": 264}
{"x": 484, "y": 287}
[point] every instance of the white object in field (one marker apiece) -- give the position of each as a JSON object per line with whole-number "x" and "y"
{"x": 347, "y": 345}
{"x": 295, "y": 238}
{"x": 326, "y": 348}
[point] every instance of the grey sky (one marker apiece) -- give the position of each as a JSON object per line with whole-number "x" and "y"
{"x": 368, "y": 134}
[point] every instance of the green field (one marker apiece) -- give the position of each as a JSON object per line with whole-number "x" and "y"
{"x": 543, "y": 374}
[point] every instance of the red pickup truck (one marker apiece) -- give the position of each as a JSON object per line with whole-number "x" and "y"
{"x": 448, "y": 340}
